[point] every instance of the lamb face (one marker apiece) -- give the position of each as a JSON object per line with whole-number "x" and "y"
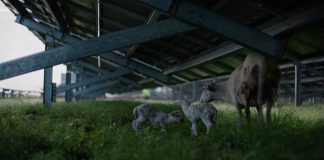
{"x": 175, "y": 116}
{"x": 208, "y": 93}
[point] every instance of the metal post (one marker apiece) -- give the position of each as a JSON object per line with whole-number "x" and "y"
{"x": 98, "y": 27}
{"x": 53, "y": 92}
{"x": 68, "y": 93}
{"x": 298, "y": 98}
{"x": 12, "y": 94}
{"x": 48, "y": 75}
{"x": 78, "y": 79}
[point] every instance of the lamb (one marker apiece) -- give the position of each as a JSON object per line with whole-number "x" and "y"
{"x": 204, "y": 111}
{"x": 147, "y": 113}
{"x": 253, "y": 83}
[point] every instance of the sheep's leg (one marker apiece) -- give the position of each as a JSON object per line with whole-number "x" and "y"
{"x": 207, "y": 123}
{"x": 261, "y": 80}
{"x": 260, "y": 113}
{"x": 248, "y": 113}
{"x": 239, "y": 116}
{"x": 268, "y": 113}
{"x": 194, "y": 128}
{"x": 137, "y": 124}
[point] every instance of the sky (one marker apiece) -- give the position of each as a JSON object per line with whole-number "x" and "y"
{"x": 17, "y": 41}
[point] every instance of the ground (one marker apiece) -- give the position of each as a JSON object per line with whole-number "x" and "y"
{"x": 102, "y": 130}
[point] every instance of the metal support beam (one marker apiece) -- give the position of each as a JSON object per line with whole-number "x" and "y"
{"x": 68, "y": 92}
{"x": 53, "y": 92}
{"x": 136, "y": 67}
{"x": 19, "y": 7}
{"x": 304, "y": 62}
{"x": 311, "y": 69}
{"x": 54, "y": 10}
{"x": 101, "y": 91}
{"x": 98, "y": 10}
{"x": 304, "y": 80}
{"x": 47, "y": 89}
{"x": 227, "y": 28}
{"x": 45, "y": 29}
{"x": 72, "y": 40}
{"x": 106, "y": 76}
{"x": 298, "y": 97}
{"x": 48, "y": 74}
{"x": 112, "y": 6}
{"x": 289, "y": 22}
{"x": 95, "y": 94}
{"x": 94, "y": 88}
{"x": 92, "y": 67}
{"x": 153, "y": 18}
{"x": 77, "y": 89}
{"x": 95, "y": 46}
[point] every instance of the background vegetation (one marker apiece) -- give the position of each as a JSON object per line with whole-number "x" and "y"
{"x": 102, "y": 130}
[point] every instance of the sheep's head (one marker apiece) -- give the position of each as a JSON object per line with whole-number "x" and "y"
{"x": 208, "y": 92}
{"x": 175, "y": 116}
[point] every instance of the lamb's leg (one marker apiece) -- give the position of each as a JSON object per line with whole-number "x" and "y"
{"x": 268, "y": 113}
{"x": 207, "y": 123}
{"x": 137, "y": 124}
{"x": 163, "y": 126}
{"x": 194, "y": 128}
{"x": 239, "y": 116}
{"x": 260, "y": 113}
{"x": 134, "y": 125}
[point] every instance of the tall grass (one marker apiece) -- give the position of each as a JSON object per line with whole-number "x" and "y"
{"x": 102, "y": 130}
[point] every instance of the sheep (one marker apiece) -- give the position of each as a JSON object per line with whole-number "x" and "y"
{"x": 147, "y": 113}
{"x": 253, "y": 83}
{"x": 204, "y": 111}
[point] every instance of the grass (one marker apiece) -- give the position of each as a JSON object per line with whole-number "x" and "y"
{"x": 102, "y": 130}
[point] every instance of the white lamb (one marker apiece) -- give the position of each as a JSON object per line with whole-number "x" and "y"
{"x": 147, "y": 113}
{"x": 204, "y": 111}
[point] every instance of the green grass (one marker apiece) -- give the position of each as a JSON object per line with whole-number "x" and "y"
{"x": 102, "y": 130}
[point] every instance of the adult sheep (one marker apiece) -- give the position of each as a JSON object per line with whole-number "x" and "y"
{"x": 253, "y": 83}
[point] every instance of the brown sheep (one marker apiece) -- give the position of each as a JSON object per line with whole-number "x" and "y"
{"x": 253, "y": 83}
